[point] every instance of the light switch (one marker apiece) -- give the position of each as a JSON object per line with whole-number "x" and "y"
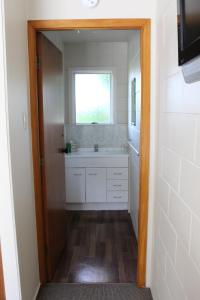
{"x": 24, "y": 120}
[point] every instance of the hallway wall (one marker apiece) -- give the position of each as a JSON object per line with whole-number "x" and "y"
{"x": 176, "y": 273}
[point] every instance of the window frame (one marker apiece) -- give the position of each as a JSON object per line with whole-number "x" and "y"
{"x": 72, "y": 97}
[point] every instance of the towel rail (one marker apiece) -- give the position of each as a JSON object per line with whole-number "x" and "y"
{"x": 133, "y": 148}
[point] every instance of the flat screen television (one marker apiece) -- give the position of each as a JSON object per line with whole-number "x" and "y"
{"x": 188, "y": 30}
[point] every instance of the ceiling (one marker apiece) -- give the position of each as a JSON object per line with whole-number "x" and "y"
{"x": 77, "y": 36}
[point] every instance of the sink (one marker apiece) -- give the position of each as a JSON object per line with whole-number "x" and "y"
{"x": 107, "y": 152}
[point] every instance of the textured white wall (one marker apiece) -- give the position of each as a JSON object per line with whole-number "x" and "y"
{"x": 106, "y": 55}
{"x": 177, "y": 220}
{"x": 134, "y": 71}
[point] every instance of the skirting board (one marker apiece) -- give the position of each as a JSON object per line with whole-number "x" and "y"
{"x": 36, "y": 291}
{"x": 96, "y": 206}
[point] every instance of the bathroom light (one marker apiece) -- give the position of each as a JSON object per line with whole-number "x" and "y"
{"x": 90, "y": 3}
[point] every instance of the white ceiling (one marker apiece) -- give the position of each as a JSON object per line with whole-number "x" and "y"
{"x": 77, "y": 36}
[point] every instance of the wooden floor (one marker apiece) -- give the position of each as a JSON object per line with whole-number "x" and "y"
{"x": 101, "y": 248}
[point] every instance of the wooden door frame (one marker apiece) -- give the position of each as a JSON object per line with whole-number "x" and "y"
{"x": 144, "y": 25}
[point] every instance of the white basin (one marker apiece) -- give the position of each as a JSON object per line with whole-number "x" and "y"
{"x": 103, "y": 152}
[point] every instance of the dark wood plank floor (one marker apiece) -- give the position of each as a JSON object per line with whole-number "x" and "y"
{"x": 101, "y": 248}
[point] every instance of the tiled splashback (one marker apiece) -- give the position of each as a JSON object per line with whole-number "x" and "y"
{"x": 104, "y": 135}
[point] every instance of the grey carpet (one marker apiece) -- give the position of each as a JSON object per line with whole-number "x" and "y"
{"x": 117, "y": 291}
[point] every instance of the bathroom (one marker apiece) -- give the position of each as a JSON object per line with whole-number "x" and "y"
{"x": 101, "y": 90}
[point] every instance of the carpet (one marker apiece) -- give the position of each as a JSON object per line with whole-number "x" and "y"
{"x": 117, "y": 291}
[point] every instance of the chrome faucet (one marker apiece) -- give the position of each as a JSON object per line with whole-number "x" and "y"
{"x": 96, "y": 147}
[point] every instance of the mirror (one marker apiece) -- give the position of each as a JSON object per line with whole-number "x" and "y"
{"x": 133, "y": 102}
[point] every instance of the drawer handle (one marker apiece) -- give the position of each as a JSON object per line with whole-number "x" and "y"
{"x": 117, "y": 197}
{"x": 117, "y": 185}
{"x": 77, "y": 174}
{"x": 92, "y": 174}
{"x": 117, "y": 173}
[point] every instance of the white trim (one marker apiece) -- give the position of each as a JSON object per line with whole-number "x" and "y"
{"x": 36, "y": 291}
{"x": 70, "y": 76}
{"x": 134, "y": 149}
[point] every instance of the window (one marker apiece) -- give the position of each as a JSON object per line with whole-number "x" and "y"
{"x": 93, "y": 97}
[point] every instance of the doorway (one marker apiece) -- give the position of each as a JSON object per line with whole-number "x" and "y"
{"x": 120, "y": 24}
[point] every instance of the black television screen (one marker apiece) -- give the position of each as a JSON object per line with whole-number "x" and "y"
{"x": 188, "y": 29}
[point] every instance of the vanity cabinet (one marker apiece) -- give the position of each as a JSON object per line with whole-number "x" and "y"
{"x": 97, "y": 180}
{"x": 95, "y": 185}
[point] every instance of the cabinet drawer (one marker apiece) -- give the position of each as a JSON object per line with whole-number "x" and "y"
{"x": 117, "y": 185}
{"x": 117, "y": 196}
{"x": 117, "y": 173}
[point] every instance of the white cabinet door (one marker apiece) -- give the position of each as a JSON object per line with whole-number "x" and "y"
{"x": 95, "y": 184}
{"x": 75, "y": 185}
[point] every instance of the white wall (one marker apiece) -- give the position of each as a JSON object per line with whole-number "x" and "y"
{"x": 134, "y": 71}
{"x": 68, "y": 9}
{"x": 111, "y": 56}
{"x": 176, "y": 273}
{"x": 55, "y": 38}
{"x": 7, "y": 223}
{"x": 18, "y": 103}
{"x": 20, "y": 150}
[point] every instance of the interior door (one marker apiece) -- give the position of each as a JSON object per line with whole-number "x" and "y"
{"x": 51, "y": 131}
